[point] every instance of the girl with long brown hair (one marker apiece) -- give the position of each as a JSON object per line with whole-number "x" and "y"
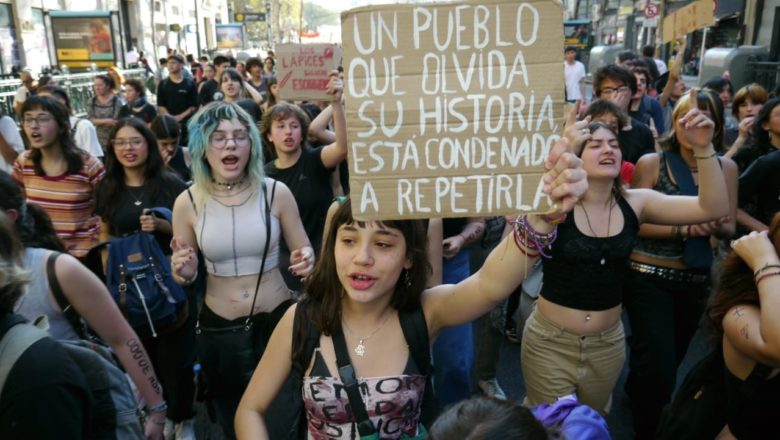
{"x": 669, "y": 279}
{"x": 746, "y": 316}
{"x": 370, "y": 274}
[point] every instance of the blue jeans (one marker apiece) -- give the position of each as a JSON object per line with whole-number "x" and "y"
{"x": 453, "y": 351}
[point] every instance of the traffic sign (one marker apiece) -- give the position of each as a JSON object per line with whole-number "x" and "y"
{"x": 249, "y": 16}
{"x": 651, "y": 10}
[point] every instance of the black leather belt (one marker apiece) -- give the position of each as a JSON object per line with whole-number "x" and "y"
{"x": 667, "y": 273}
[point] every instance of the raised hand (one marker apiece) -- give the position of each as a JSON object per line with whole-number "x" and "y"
{"x": 336, "y": 86}
{"x": 565, "y": 181}
{"x": 302, "y": 261}
{"x": 697, "y": 128}
{"x": 184, "y": 261}
{"x": 756, "y": 250}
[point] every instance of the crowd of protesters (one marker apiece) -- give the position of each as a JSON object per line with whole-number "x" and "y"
{"x": 667, "y": 200}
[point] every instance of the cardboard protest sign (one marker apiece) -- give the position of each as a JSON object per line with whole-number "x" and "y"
{"x": 304, "y": 70}
{"x": 452, "y": 107}
{"x": 697, "y": 15}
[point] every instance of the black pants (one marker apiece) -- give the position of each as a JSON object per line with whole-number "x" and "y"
{"x": 227, "y": 368}
{"x": 664, "y": 316}
{"x": 173, "y": 355}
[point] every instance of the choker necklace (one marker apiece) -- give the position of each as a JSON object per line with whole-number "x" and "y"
{"x": 609, "y": 222}
{"x": 360, "y": 348}
{"x": 229, "y": 185}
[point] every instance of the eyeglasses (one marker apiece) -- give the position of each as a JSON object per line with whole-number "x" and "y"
{"x": 39, "y": 120}
{"x": 219, "y": 140}
{"x": 609, "y": 91}
{"x": 124, "y": 143}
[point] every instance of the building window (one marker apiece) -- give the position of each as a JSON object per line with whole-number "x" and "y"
{"x": 157, "y": 7}
{"x": 175, "y": 10}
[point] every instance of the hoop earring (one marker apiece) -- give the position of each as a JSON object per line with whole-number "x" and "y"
{"x": 407, "y": 279}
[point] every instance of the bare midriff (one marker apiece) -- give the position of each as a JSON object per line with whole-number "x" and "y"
{"x": 673, "y": 263}
{"x": 579, "y": 322}
{"x": 231, "y": 297}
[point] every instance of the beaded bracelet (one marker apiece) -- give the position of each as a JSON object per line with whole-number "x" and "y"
{"x": 523, "y": 245}
{"x": 534, "y": 239}
{"x": 766, "y": 275}
{"x": 766, "y": 266}
{"x": 188, "y": 281}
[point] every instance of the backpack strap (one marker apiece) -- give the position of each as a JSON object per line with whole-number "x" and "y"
{"x": 416, "y": 334}
{"x": 56, "y": 289}
{"x": 351, "y": 385}
{"x": 14, "y": 341}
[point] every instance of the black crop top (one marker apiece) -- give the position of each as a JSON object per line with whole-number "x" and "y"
{"x": 586, "y": 273}
{"x": 753, "y": 416}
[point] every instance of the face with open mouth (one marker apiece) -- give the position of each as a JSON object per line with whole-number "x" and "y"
{"x": 230, "y": 87}
{"x": 369, "y": 260}
{"x": 130, "y": 148}
{"x": 286, "y": 135}
{"x": 229, "y": 151}
{"x": 41, "y": 128}
{"x": 601, "y": 156}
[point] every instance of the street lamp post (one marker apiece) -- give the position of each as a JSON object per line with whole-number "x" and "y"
{"x": 269, "y": 19}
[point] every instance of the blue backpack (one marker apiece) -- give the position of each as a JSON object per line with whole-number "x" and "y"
{"x": 138, "y": 275}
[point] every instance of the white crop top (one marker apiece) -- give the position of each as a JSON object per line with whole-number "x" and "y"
{"x": 232, "y": 238}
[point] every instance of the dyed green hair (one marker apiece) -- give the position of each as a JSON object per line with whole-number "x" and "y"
{"x": 203, "y": 125}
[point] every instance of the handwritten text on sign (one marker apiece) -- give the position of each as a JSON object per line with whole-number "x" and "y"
{"x": 304, "y": 70}
{"x": 452, "y": 108}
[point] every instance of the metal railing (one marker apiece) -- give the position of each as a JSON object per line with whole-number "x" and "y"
{"x": 78, "y": 86}
{"x": 765, "y": 73}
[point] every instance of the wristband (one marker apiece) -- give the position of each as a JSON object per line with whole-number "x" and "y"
{"x": 766, "y": 275}
{"x": 189, "y": 281}
{"x": 766, "y": 266}
{"x": 709, "y": 156}
{"x": 160, "y": 407}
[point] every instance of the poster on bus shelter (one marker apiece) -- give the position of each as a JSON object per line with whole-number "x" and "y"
{"x": 83, "y": 38}
{"x": 452, "y": 108}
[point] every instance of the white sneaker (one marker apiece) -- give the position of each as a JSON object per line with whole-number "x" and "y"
{"x": 186, "y": 430}
{"x": 491, "y": 388}
{"x": 168, "y": 429}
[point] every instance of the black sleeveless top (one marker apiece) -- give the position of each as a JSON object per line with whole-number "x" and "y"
{"x": 753, "y": 416}
{"x": 587, "y": 273}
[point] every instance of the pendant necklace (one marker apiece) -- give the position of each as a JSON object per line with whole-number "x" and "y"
{"x": 609, "y": 221}
{"x": 138, "y": 201}
{"x": 360, "y": 348}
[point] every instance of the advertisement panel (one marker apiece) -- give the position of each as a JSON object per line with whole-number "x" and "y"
{"x": 230, "y": 36}
{"x": 83, "y": 38}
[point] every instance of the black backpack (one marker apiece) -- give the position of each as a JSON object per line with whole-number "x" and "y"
{"x": 415, "y": 329}
{"x": 699, "y": 410}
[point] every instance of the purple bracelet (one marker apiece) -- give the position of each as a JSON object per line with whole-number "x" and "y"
{"x": 537, "y": 240}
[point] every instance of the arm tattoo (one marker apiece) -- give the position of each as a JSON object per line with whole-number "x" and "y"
{"x": 143, "y": 362}
{"x": 738, "y": 312}
{"x": 744, "y": 332}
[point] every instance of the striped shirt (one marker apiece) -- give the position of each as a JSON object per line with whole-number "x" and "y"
{"x": 69, "y": 200}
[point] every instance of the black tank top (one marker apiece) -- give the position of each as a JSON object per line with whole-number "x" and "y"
{"x": 586, "y": 273}
{"x": 753, "y": 416}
